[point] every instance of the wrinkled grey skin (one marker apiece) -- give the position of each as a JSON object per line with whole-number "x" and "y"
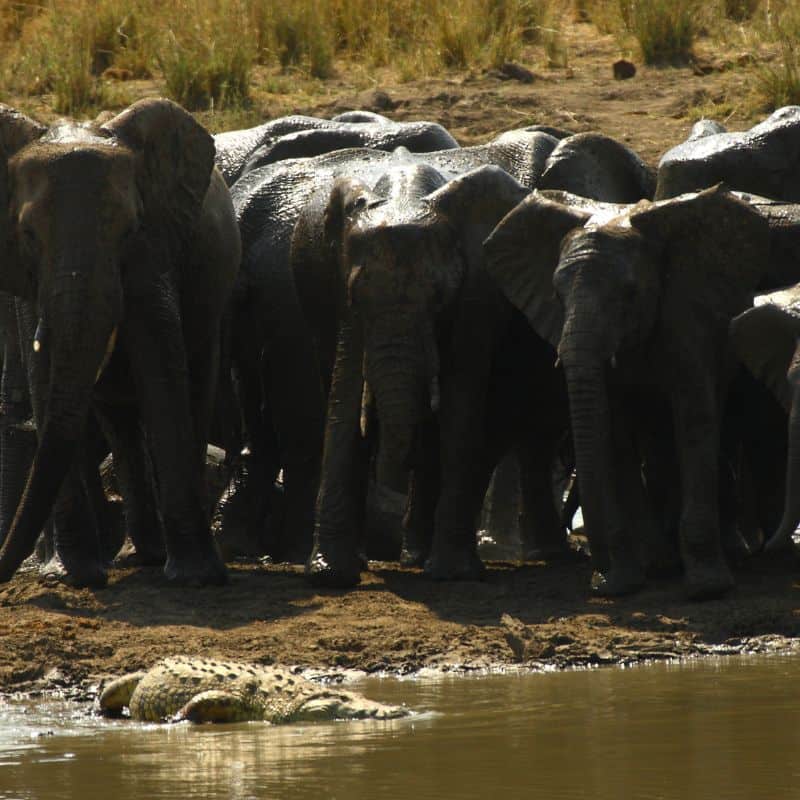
{"x": 420, "y": 336}
{"x": 766, "y": 338}
{"x": 275, "y": 355}
{"x": 622, "y": 277}
{"x": 239, "y": 152}
{"x": 121, "y": 247}
{"x": 764, "y": 160}
{"x": 596, "y": 166}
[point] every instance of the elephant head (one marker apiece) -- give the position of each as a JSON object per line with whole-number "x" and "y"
{"x": 404, "y": 262}
{"x": 610, "y": 286}
{"x": 766, "y": 338}
{"x": 89, "y": 218}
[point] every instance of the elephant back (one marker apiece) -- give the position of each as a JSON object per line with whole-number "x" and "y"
{"x": 764, "y": 160}
{"x": 598, "y": 167}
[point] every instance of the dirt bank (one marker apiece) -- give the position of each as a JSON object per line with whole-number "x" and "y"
{"x": 532, "y": 614}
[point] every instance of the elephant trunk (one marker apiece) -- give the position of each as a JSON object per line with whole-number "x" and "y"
{"x": 398, "y": 372}
{"x": 791, "y": 509}
{"x": 591, "y": 433}
{"x": 75, "y": 346}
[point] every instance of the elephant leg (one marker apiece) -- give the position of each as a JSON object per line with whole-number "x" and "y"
{"x": 454, "y": 553}
{"x": 334, "y": 559}
{"x": 541, "y": 530}
{"x": 656, "y": 443}
{"x": 501, "y": 514}
{"x": 242, "y": 512}
{"x": 639, "y": 520}
{"x": 155, "y": 346}
{"x": 695, "y": 416}
{"x": 17, "y": 439}
{"x": 135, "y": 476}
{"x": 466, "y": 470}
{"x": 72, "y": 550}
{"x": 466, "y": 462}
{"x": 292, "y": 382}
{"x": 109, "y": 521}
{"x": 423, "y": 494}
{"x": 79, "y": 559}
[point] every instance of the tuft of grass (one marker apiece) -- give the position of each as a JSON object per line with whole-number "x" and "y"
{"x": 206, "y": 59}
{"x": 779, "y": 85}
{"x": 664, "y": 29}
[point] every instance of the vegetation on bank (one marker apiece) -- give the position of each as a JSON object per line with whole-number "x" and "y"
{"x": 203, "y": 53}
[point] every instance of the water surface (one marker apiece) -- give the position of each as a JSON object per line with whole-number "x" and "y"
{"x": 728, "y": 728}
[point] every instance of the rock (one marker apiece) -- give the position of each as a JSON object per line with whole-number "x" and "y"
{"x": 376, "y": 100}
{"x": 623, "y": 70}
{"x": 515, "y": 72}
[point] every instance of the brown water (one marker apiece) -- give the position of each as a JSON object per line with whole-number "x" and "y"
{"x": 711, "y": 729}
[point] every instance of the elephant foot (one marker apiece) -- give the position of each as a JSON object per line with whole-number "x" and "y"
{"x": 412, "y": 557}
{"x": 617, "y": 581}
{"x": 462, "y": 564}
{"x": 333, "y": 564}
{"x": 209, "y": 571}
{"x": 79, "y": 576}
{"x": 708, "y": 580}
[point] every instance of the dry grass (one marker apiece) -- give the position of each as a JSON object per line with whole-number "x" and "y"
{"x": 203, "y": 53}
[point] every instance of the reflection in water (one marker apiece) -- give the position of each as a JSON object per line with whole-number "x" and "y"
{"x": 727, "y": 729}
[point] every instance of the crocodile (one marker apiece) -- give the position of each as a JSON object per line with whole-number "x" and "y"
{"x": 208, "y": 690}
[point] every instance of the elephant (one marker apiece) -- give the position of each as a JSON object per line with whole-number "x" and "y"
{"x": 766, "y": 338}
{"x": 238, "y": 152}
{"x": 431, "y": 344}
{"x": 596, "y": 166}
{"x": 643, "y": 297}
{"x": 280, "y": 365}
{"x": 120, "y": 246}
{"x": 764, "y": 160}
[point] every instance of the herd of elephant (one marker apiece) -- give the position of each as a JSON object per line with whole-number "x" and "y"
{"x": 353, "y": 302}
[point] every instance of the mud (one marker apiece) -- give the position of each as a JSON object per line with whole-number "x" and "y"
{"x": 532, "y": 615}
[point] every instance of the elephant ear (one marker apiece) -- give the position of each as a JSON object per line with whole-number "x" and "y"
{"x": 175, "y": 160}
{"x": 522, "y": 254}
{"x": 716, "y": 248}
{"x": 348, "y": 196}
{"x": 16, "y": 131}
{"x": 765, "y": 339}
{"x": 475, "y": 202}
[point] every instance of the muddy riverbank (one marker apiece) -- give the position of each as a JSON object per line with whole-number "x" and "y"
{"x": 532, "y": 615}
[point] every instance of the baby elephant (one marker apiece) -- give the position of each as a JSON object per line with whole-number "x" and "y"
{"x": 203, "y": 690}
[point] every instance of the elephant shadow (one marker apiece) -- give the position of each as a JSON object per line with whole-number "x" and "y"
{"x": 539, "y": 594}
{"x": 254, "y": 593}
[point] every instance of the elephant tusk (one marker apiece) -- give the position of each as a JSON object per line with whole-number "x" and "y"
{"x": 435, "y": 394}
{"x": 112, "y": 341}
{"x": 38, "y": 337}
{"x": 557, "y": 363}
{"x": 366, "y": 402}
